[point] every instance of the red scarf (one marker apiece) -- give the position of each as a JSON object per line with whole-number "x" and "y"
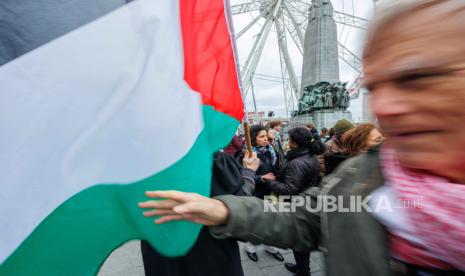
{"x": 439, "y": 219}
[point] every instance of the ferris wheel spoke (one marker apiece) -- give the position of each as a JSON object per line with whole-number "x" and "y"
{"x": 245, "y": 7}
{"x": 350, "y": 20}
{"x": 300, "y": 16}
{"x": 254, "y": 56}
{"x": 286, "y": 58}
{"x": 255, "y": 46}
{"x": 294, "y": 37}
{"x": 303, "y": 12}
{"x": 248, "y": 26}
{"x": 296, "y": 32}
{"x": 349, "y": 57}
{"x": 303, "y": 3}
{"x": 287, "y": 89}
{"x": 294, "y": 22}
{"x": 257, "y": 50}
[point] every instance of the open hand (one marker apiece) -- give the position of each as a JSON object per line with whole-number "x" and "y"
{"x": 185, "y": 206}
{"x": 268, "y": 176}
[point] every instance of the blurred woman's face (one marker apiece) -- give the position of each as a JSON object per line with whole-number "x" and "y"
{"x": 375, "y": 138}
{"x": 262, "y": 139}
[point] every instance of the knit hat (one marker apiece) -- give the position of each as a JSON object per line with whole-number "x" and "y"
{"x": 342, "y": 126}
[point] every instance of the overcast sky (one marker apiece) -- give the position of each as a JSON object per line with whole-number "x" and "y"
{"x": 269, "y": 95}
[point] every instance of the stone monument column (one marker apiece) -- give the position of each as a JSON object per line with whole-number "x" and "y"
{"x": 320, "y": 62}
{"x": 321, "y": 65}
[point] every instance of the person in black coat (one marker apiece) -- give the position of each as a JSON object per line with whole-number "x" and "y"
{"x": 265, "y": 173}
{"x": 208, "y": 256}
{"x": 268, "y": 159}
{"x": 301, "y": 170}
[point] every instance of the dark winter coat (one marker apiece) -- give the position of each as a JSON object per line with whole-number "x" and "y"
{"x": 266, "y": 166}
{"x": 300, "y": 171}
{"x": 332, "y": 161}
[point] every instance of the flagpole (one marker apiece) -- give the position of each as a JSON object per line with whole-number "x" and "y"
{"x": 232, "y": 35}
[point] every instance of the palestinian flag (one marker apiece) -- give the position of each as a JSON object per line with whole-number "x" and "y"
{"x": 101, "y": 100}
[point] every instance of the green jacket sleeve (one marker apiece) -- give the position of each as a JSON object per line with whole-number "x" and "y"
{"x": 299, "y": 230}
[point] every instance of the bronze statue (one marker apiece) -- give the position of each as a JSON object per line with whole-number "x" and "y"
{"x": 323, "y": 96}
{"x": 328, "y": 99}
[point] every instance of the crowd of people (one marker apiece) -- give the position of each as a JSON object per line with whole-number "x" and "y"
{"x": 285, "y": 168}
{"x": 414, "y": 70}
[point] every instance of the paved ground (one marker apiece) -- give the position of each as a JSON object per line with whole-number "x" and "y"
{"x": 127, "y": 261}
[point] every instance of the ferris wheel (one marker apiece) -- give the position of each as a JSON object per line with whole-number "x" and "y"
{"x": 288, "y": 20}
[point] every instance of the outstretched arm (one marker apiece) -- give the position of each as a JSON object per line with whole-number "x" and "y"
{"x": 239, "y": 217}
{"x": 257, "y": 221}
